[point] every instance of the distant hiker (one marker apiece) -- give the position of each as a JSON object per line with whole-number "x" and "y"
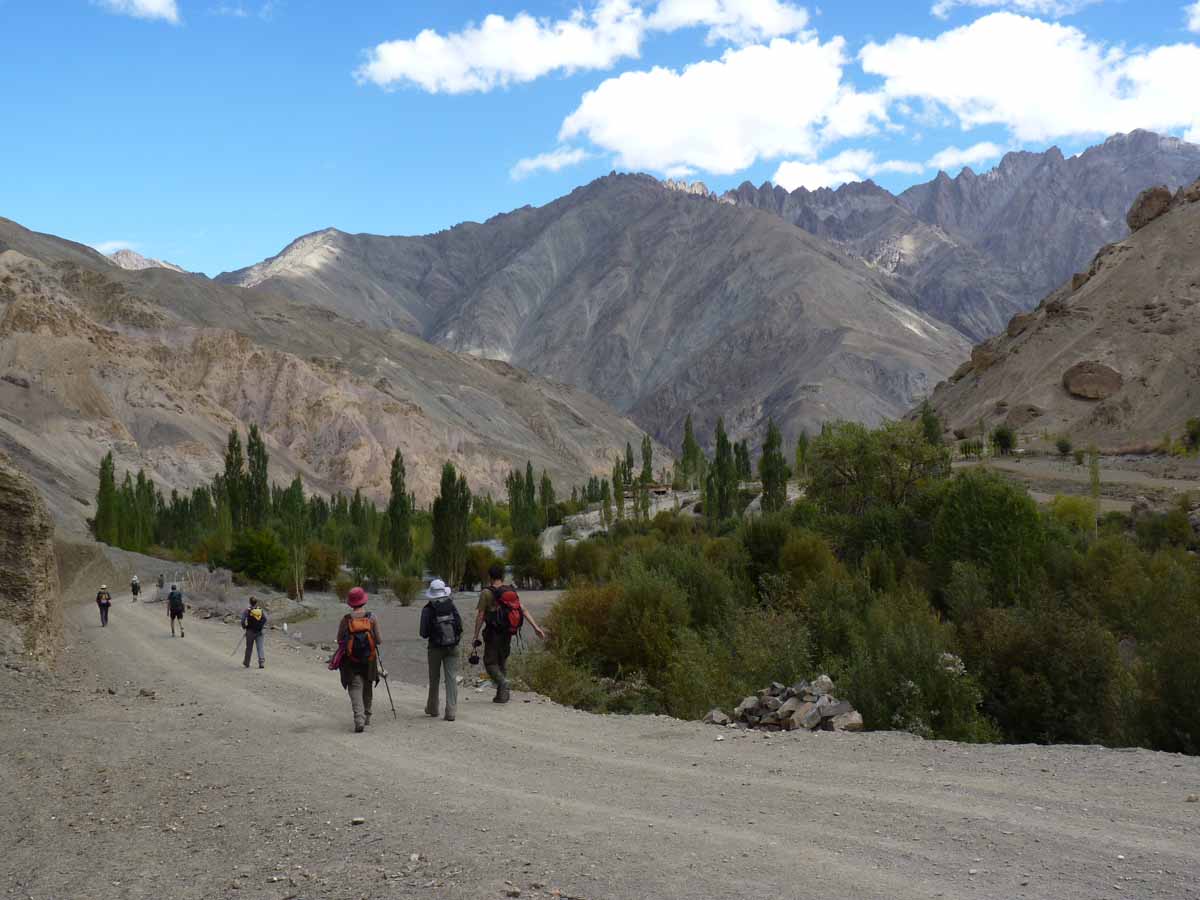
{"x": 159, "y": 595}
{"x": 442, "y": 626}
{"x": 254, "y": 620}
{"x": 358, "y": 642}
{"x": 501, "y": 616}
{"x": 175, "y": 611}
{"x": 135, "y": 587}
{"x": 104, "y": 601}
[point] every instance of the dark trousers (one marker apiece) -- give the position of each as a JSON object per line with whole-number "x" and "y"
{"x": 496, "y": 648}
{"x": 103, "y": 616}
{"x": 253, "y": 638}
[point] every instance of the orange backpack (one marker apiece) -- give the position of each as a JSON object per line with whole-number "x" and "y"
{"x": 360, "y": 641}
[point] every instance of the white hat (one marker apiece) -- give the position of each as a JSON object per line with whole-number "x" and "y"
{"x": 438, "y": 590}
{"x": 104, "y": 587}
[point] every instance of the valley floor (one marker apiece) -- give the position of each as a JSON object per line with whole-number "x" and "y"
{"x": 243, "y": 783}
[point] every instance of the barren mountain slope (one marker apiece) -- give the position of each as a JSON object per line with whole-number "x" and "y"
{"x": 660, "y": 302}
{"x": 130, "y": 259}
{"x": 1110, "y": 357}
{"x": 158, "y": 366}
{"x": 976, "y": 249}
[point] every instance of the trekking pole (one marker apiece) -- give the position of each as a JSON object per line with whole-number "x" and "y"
{"x": 237, "y": 645}
{"x": 386, "y": 686}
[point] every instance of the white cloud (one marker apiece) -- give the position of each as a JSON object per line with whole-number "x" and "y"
{"x": 735, "y": 21}
{"x": 167, "y": 10}
{"x": 1193, "y": 16}
{"x": 1069, "y": 85}
{"x": 954, "y": 158}
{"x": 847, "y": 166}
{"x": 554, "y": 161}
{"x": 501, "y": 51}
{"x": 110, "y": 247}
{"x": 721, "y": 116}
{"x": 1052, "y": 8}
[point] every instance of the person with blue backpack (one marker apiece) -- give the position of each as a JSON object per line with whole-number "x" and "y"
{"x": 175, "y": 610}
{"x": 442, "y": 626}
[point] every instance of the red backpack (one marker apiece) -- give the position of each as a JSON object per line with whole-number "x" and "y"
{"x": 506, "y": 615}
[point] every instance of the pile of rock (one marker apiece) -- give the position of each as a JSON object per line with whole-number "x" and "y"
{"x": 807, "y": 705}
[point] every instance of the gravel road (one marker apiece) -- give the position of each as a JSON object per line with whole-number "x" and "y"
{"x": 241, "y": 783}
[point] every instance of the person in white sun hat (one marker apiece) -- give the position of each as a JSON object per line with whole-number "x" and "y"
{"x": 442, "y": 626}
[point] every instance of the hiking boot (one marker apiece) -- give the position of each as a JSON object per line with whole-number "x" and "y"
{"x": 261, "y": 664}
{"x": 500, "y": 698}
{"x": 181, "y": 632}
{"x": 449, "y": 717}
{"x": 245, "y": 665}
{"x": 358, "y": 729}
{"x": 433, "y": 714}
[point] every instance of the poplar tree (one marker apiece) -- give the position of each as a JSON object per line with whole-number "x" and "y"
{"x": 105, "y": 525}
{"x": 258, "y": 485}
{"x": 397, "y": 533}
{"x": 773, "y": 471}
{"x": 293, "y": 515}
{"x": 647, "y": 460}
{"x": 451, "y": 526}
{"x": 234, "y": 481}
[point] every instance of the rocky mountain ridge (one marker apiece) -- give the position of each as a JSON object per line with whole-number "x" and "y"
{"x": 130, "y": 259}
{"x": 976, "y": 249}
{"x": 649, "y": 297}
{"x": 157, "y": 366}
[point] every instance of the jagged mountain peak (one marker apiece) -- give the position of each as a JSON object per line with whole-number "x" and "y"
{"x": 134, "y": 261}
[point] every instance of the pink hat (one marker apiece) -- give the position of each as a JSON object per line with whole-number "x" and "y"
{"x": 357, "y": 597}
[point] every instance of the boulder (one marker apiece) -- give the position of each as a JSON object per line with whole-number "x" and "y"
{"x": 1092, "y": 380}
{"x": 1079, "y": 279}
{"x": 1188, "y": 194}
{"x": 851, "y": 721}
{"x": 983, "y": 357}
{"x": 1019, "y": 323}
{"x": 822, "y": 685}
{"x": 716, "y": 717}
{"x": 789, "y": 706}
{"x": 835, "y": 708}
{"x": 1149, "y": 205}
{"x": 748, "y": 707}
{"x": 31, "y": 613}
{"x": 770, "y": 704}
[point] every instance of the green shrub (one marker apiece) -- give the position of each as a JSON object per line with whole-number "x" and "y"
{"x": 342, "y": 586}
{"x": 1078, "y": 513}
{"x": 764, "y": 537}
{"x": 526, "y": 559}
{"x": 1050, "y": 675}
{"x": 406, "y": 588}
{"x": 712, "y": 596}
{"x": 806, "y": 557}
{"x": 1064, "y": 446}
{"x": 904, "y": 673}
{"x": 554, "y": 676}
{"x": 258, "y": 555}
{"x": 480, "y": 558}
{"x": 648, "y": 611}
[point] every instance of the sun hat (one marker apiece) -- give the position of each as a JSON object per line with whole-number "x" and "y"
{"x": 104, "y": 587}
{"x": 437, "y": 590}
{"x": 356, "y": 598}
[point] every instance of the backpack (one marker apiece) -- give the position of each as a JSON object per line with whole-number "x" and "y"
{"x": 444, "y": 630}
{"x": 175, "y": 601}
{"x": 254, "y": 619}
{"x": 506, "y": 615}
{"x": 360, "y": 639}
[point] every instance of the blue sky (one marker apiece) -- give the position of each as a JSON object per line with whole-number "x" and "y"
{"x": 212, "y": 132}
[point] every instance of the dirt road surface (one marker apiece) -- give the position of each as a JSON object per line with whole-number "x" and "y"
{"x": 235, "y": 783}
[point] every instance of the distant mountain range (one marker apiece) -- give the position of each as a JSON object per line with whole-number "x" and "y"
{"x": 975, "y": 250}
{"x": 156, "y": 366}
{"x": 134, "y": 261}
{"x": 665, "y": 299}
{"x": 660, "y": 302}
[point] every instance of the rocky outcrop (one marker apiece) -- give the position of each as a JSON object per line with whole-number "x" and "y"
{"x": 31, "y": 616}
{"x": 1112, "y": 363}
{"x": 1149, "y": 205}
{"x": 808, "y": 706}
{"x": 1091, "y": 380}
{"x": 134, "y": 261}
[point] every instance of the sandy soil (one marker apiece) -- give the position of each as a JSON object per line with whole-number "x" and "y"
{"x": 243, "y": 783}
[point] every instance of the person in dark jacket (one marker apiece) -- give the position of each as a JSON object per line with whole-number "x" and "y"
{"x": 442, "y": 626}
{"x": 254, "y": 621}
{"x": 358, "y": 641}
{"x": 104, "y": 601}
{"x": 175, "y": 610}
{"x": 497, "y": 643}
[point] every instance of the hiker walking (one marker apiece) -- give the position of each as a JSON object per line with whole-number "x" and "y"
{"x": 161, "y": 581}
{"x": 175, "y": 610}
{"x": 358, "y": 656}
{"x": 104, "y": 601}
{"x": 254, "y": 621}
{"x": 135, "y": 587}
{"x": 442, "y": 626}
{"x": 500, "y": 616}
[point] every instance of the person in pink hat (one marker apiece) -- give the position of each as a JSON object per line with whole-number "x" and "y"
{"x": 358, "y": 641}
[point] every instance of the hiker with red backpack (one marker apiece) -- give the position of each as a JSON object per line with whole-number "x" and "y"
{"x": 500, "y": 616}
{"x": 442, "y": 626}
{"x": 358, "y": 656}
